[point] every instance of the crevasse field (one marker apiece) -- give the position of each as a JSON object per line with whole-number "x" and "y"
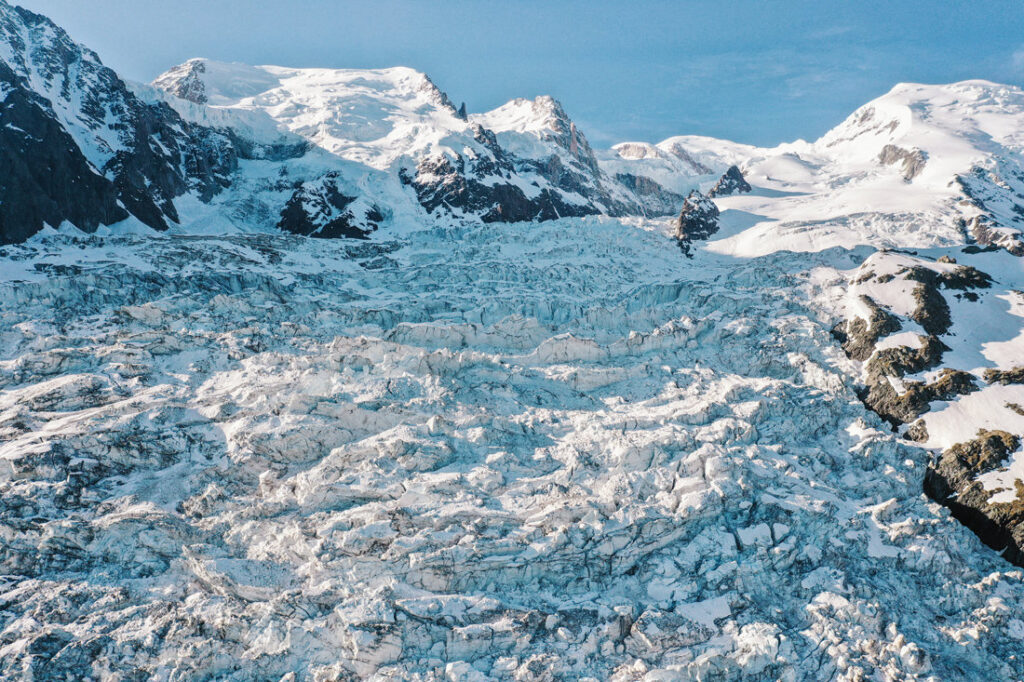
{"x": 529, "y": 451}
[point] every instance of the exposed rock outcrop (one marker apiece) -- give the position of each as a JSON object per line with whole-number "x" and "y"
{"x": 952, "y": 481}
{"x": 186, "y": 81}
{"x": 912, "y": 160}
{"x": 1005, "y": 377}
{"x": 321, "y": 209}
{"x": 859, "y": 336}
{"x": 697, "y": 220}
{"x": 732, "y": 182}
{"x": 915, "y": 398}
{"x": 998, "y": 193}
{"x": 931, "y": 310}
{"x": 483, "y": 184}
{"x": 901, "y": 387}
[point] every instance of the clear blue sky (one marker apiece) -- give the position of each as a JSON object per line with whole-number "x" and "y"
{"x": 755, "y": 71}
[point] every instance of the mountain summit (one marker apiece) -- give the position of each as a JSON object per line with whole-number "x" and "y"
{"x": 523, "y": 161}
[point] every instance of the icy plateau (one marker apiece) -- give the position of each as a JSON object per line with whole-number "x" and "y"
{"x": 309, "y": 374}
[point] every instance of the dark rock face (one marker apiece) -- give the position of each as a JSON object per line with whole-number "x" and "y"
{"x": 931, "y": 310}
{"x": 320, "y": 209}
{"x": 112, "y": 156}
{"x": 565, "y": 177}
{"x": 697, "y": 220}
{"x": 905, "y": 407}
{"x": 640, "y": 184}
{"x": 859, "y": 338}
{"x": 572, "y": 170}
{"x": 451, "y": 182}
{"x": 966, "y": 277}
{"x": 253, "y": 151}
{"x": 44, "y": 178}
{"x": 167, "y": 158}
{"x": 732, "y": 182}
{"x": 917, "y": 432}
{"x": 952, "y": 481}
{"x": 444, "y": 182}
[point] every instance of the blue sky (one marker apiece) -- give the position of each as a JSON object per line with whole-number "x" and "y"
{"x": 760, "y": 72}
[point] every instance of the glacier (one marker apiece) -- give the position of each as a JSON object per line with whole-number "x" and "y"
{"x": 571, "y": 452}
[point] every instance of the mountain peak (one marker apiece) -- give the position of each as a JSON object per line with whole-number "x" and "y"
{"x": 35, "y": 47}
{"x": 955, "y": 125}
{"x": 372, "y": 116}
{"x": 543, "y": 118}
{"x": 539, "y": 115}
{"x": 218, "y": 83}
{"x": 206, "y": 81}
{"x": 185, "y": 81}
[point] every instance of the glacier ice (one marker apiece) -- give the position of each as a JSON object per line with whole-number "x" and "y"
{"x": 567, "y": 452}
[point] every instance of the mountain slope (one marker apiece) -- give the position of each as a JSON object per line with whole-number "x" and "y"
{"x": 368, "y": 144}
{"x": 919, "y": 166}
{"x": 523, "y": 161}
{"x": 80, "y": 147}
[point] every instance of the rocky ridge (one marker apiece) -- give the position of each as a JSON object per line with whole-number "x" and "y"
{"x": 942, "y": 366}
{"x": 80, "y": 147}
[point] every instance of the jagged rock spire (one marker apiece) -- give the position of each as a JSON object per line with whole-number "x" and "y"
{"x": 697, "y": 220}
{"x": 732, "y": 182}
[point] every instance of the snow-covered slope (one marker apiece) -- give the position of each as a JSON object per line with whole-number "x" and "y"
{"x": 924, "y": 165}
{"x": 391, "y": 135}
{"x": 373, "y": 117}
